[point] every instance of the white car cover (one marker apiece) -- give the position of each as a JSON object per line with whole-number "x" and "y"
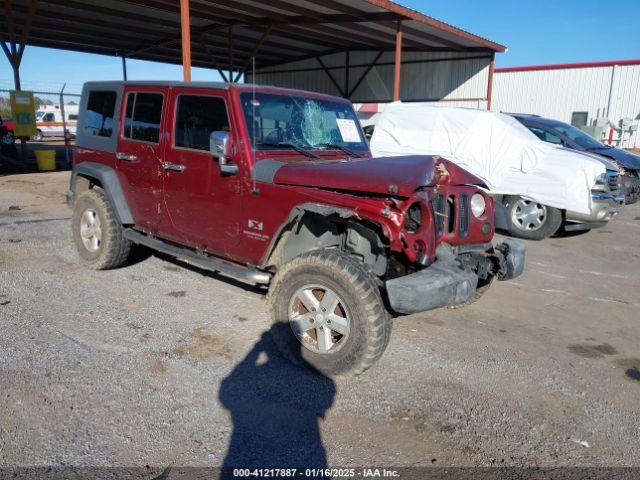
{"x": 493, "y": 146}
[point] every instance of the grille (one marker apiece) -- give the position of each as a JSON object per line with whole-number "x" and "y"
{"x": 438, "y": 204}
{"x": 612, "y": 180}
{"x": 463, "y": 216}
{"x": 448, "y": 208}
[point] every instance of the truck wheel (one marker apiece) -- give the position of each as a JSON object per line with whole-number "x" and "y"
{"x": 531, "y": 220}
{"x": 328, "y": 313}
{"x": 97, "y": 233}
{"x": 38, "y": 137}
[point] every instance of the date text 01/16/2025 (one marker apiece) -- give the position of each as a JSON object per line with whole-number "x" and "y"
{"x": 316, "y": 473}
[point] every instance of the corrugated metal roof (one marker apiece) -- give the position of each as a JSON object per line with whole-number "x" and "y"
{"x": 150, "y": 29}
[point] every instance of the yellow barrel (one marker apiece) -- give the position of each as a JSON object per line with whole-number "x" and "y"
{"x": 46, "y": 159}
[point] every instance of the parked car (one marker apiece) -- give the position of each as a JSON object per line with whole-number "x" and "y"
{"x": 542, "y": 187}
{"x": 49, "y": 122}
{"x": 560, "y": 133}
{"x": 278, "y": 187}
{"x": 7, "y": 138}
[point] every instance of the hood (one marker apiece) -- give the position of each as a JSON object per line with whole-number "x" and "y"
{"x": 608, "y": 164}
{"x": 625, "y": 159}
{"x": 386, "y": 175}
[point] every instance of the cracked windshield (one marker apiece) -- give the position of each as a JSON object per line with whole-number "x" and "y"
{"x": 277, "y": 122}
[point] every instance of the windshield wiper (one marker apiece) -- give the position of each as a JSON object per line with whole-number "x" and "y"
{"x": 340, "y": 147}
{"x": 297, "y": 148}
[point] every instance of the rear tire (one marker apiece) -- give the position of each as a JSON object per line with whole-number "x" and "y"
{"x": 298, "y": 299}
{"x": 98, "y": 235}
{"x": 531, "y": 220}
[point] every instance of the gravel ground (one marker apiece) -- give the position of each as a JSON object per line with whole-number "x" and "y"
{"x": 158, "y": 364}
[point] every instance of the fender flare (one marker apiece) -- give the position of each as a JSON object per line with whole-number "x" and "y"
{"x": 296, "y": 215}
{"x": 108, "y": 179}
{"x": 360, "y": 238}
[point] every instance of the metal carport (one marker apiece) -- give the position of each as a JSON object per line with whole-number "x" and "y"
{"x": 227, "y": 34}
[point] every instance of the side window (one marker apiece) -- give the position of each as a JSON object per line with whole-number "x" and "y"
{"x": 98, "y": 119}
{"x": 545, "y": 135}
{"x": 73, "y": 116}
{"x": 49, "y": 117}
{"x": 142, "y": 117}
{"x": 196, "y": 117}
{"x": 579, "y": 119}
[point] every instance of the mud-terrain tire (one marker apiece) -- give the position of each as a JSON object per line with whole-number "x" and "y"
{"x": 358, "y": 304}
{"x": 482, "y": 288}
{"x": 106, "y": 248}
{"x": 524, "y": 223}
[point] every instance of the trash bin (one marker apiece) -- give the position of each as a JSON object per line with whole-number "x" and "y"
{"x": 46, "y": 159}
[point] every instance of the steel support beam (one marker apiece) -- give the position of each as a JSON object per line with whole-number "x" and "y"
{"x": 254, "y": 52}
{"x": 213, "y": 60}
{"x": 124, "y": 67}
{"x": 490, "y": 82}
{"x": 230, "y": 48}
{"x": 331, "y": 77}
{"x": 364, "y": 74}
{"x": 185, "y": 26}
{"x": 398, "y": 63}
{"x": 15, "y": 51}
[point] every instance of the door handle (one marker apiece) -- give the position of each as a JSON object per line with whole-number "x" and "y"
{"x": 125, "y": 156}
{"x": 176, "y": 167}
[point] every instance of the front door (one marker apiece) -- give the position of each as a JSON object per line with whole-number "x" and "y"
{"x": 139, "y": 155}
{"x": 203, "y": 205}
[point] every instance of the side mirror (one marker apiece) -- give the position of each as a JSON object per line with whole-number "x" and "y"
{"x": 219, "y": 146}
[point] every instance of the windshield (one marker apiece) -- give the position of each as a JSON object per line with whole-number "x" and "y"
{"x": 578, "y": 136}
{"x": 275, "y": 121}
{"x": 39, "y": 115}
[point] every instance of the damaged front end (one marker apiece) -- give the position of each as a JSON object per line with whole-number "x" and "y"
{"x": 454, "y": 277}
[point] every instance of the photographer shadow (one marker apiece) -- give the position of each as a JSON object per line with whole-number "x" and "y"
{"x": 275, "y": 408}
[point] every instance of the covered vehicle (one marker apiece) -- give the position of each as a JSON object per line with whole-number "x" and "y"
{"x": 560, "y": 133}
{"x": 541, "y": 186}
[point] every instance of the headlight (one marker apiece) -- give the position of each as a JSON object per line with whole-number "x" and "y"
{"x": 478, "y": 205}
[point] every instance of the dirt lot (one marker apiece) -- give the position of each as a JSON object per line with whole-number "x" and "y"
{"x": 156, "y": 364}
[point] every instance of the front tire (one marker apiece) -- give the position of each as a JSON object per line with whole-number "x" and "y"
{"x": 38, "y": 137}
{"x": 531, "y": 220}
{"x": 328, "y": 313}
{"x": 98, "y": 235}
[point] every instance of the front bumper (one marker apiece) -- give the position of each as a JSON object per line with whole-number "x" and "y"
{"x": 631, "y": 185}
{"x": 605, "y": 206}
{"x": 449, "y": 280}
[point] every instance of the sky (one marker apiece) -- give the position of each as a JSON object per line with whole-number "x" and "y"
{"x": 535, "y": 32}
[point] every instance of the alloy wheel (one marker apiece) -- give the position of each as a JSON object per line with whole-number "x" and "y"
{"x": 319, "y": 319}
{"x": 528, "y": 215}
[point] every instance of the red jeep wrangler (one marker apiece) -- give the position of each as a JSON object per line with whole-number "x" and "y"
{"x": 278, "y": 187}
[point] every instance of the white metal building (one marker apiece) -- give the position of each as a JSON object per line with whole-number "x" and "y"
{"x": 568, "y": 92}
{"x": 458, "y": 77}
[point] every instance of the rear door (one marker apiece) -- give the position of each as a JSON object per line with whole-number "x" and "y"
{"x": 139, "y": 155}
{"x": 203, "y": 205}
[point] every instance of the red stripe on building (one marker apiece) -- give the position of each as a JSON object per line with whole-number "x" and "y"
{"x": 564, "y": 66}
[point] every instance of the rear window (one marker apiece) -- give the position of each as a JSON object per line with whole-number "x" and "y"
{"x": 101, "y": 106}
{"x": 198, "y": 116}
{"x": 142, "y": 117}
